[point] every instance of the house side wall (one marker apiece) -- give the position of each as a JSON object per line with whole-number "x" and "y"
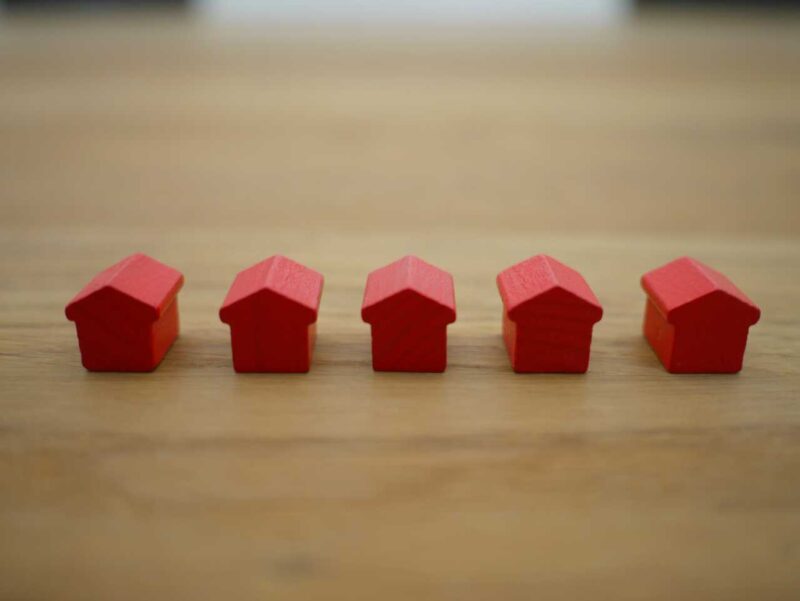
{"x": 659, "y": 333}
{"x": 164, "y": 332}
{"x": 311, "y": 341}
{"x": 510, "y": 337}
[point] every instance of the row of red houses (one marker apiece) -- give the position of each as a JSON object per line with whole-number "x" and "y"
{"x": 696, "y": 319}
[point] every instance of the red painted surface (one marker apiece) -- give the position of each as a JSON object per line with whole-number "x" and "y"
{"x": 409, "y": 304}
{"x": 696, "y": 319}
{"x": 272, "y": 310}
{"x": 548, "y": 314}
{"x": 127, "y": 316}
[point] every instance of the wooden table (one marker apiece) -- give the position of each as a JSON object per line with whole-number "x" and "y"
{"x": 613, "y": 150}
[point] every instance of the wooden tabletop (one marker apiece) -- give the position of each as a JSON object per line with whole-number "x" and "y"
{"x": 212, "y": 148}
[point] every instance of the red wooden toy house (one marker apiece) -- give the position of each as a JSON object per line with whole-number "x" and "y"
{"x": 272, "y": 309}
{"x": 695, "y": 319}
{"x": 127, "y": 316}
{"x": 548, "y": 314}
{"x": 409, "y": 304}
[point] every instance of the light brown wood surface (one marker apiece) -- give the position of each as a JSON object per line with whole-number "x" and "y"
{"x": 210, "y": 149}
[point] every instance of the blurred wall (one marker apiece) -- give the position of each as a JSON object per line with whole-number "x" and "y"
{"x": 414, "y": 11}
{"x": 405, "y": 11}
{"x": 87, "y": 5}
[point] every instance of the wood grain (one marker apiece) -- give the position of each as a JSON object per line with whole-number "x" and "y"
{"x": 614, "y": 151}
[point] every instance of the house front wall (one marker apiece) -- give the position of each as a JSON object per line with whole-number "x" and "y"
{"x": 709, "y": 342}
{"x": 271, "y": 345}
{"x": 548, "y": 344}
{"x": 420, "y": 347}
{"x": 115, "y": 333}
{"x": 105, "y": 347}
{"x": 708, "y": 346}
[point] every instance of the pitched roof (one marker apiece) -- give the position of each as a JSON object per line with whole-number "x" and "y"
{"x": 682, "y": 282}
{"x": 283, "y": 278}
{"x": 541, "y": 279}
{"x": 148, "y": 283}
{"x": 409, "y": 274}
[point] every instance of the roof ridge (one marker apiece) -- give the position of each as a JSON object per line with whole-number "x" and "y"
{"x": 699, "y": 268}
{"x": 275, "y": 263}
{"x": 121, "y": 266}
{"x": 410, "y": 264}
{"x": 708, "y": 273}
{"x": 266, "y": 279}
{"x": 547, "y": 261}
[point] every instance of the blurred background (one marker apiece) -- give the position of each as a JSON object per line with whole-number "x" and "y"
{"x": 594, "y": 116}
{"x": 598, "y": 116}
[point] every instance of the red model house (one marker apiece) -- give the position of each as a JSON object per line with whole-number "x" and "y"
{"x": 272, "y": 309}
{"x": 548, "y": 314}
{"x": 127, "y": 316}
{"x": 409, "y": 304}
{"x": 695, "y": 319}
